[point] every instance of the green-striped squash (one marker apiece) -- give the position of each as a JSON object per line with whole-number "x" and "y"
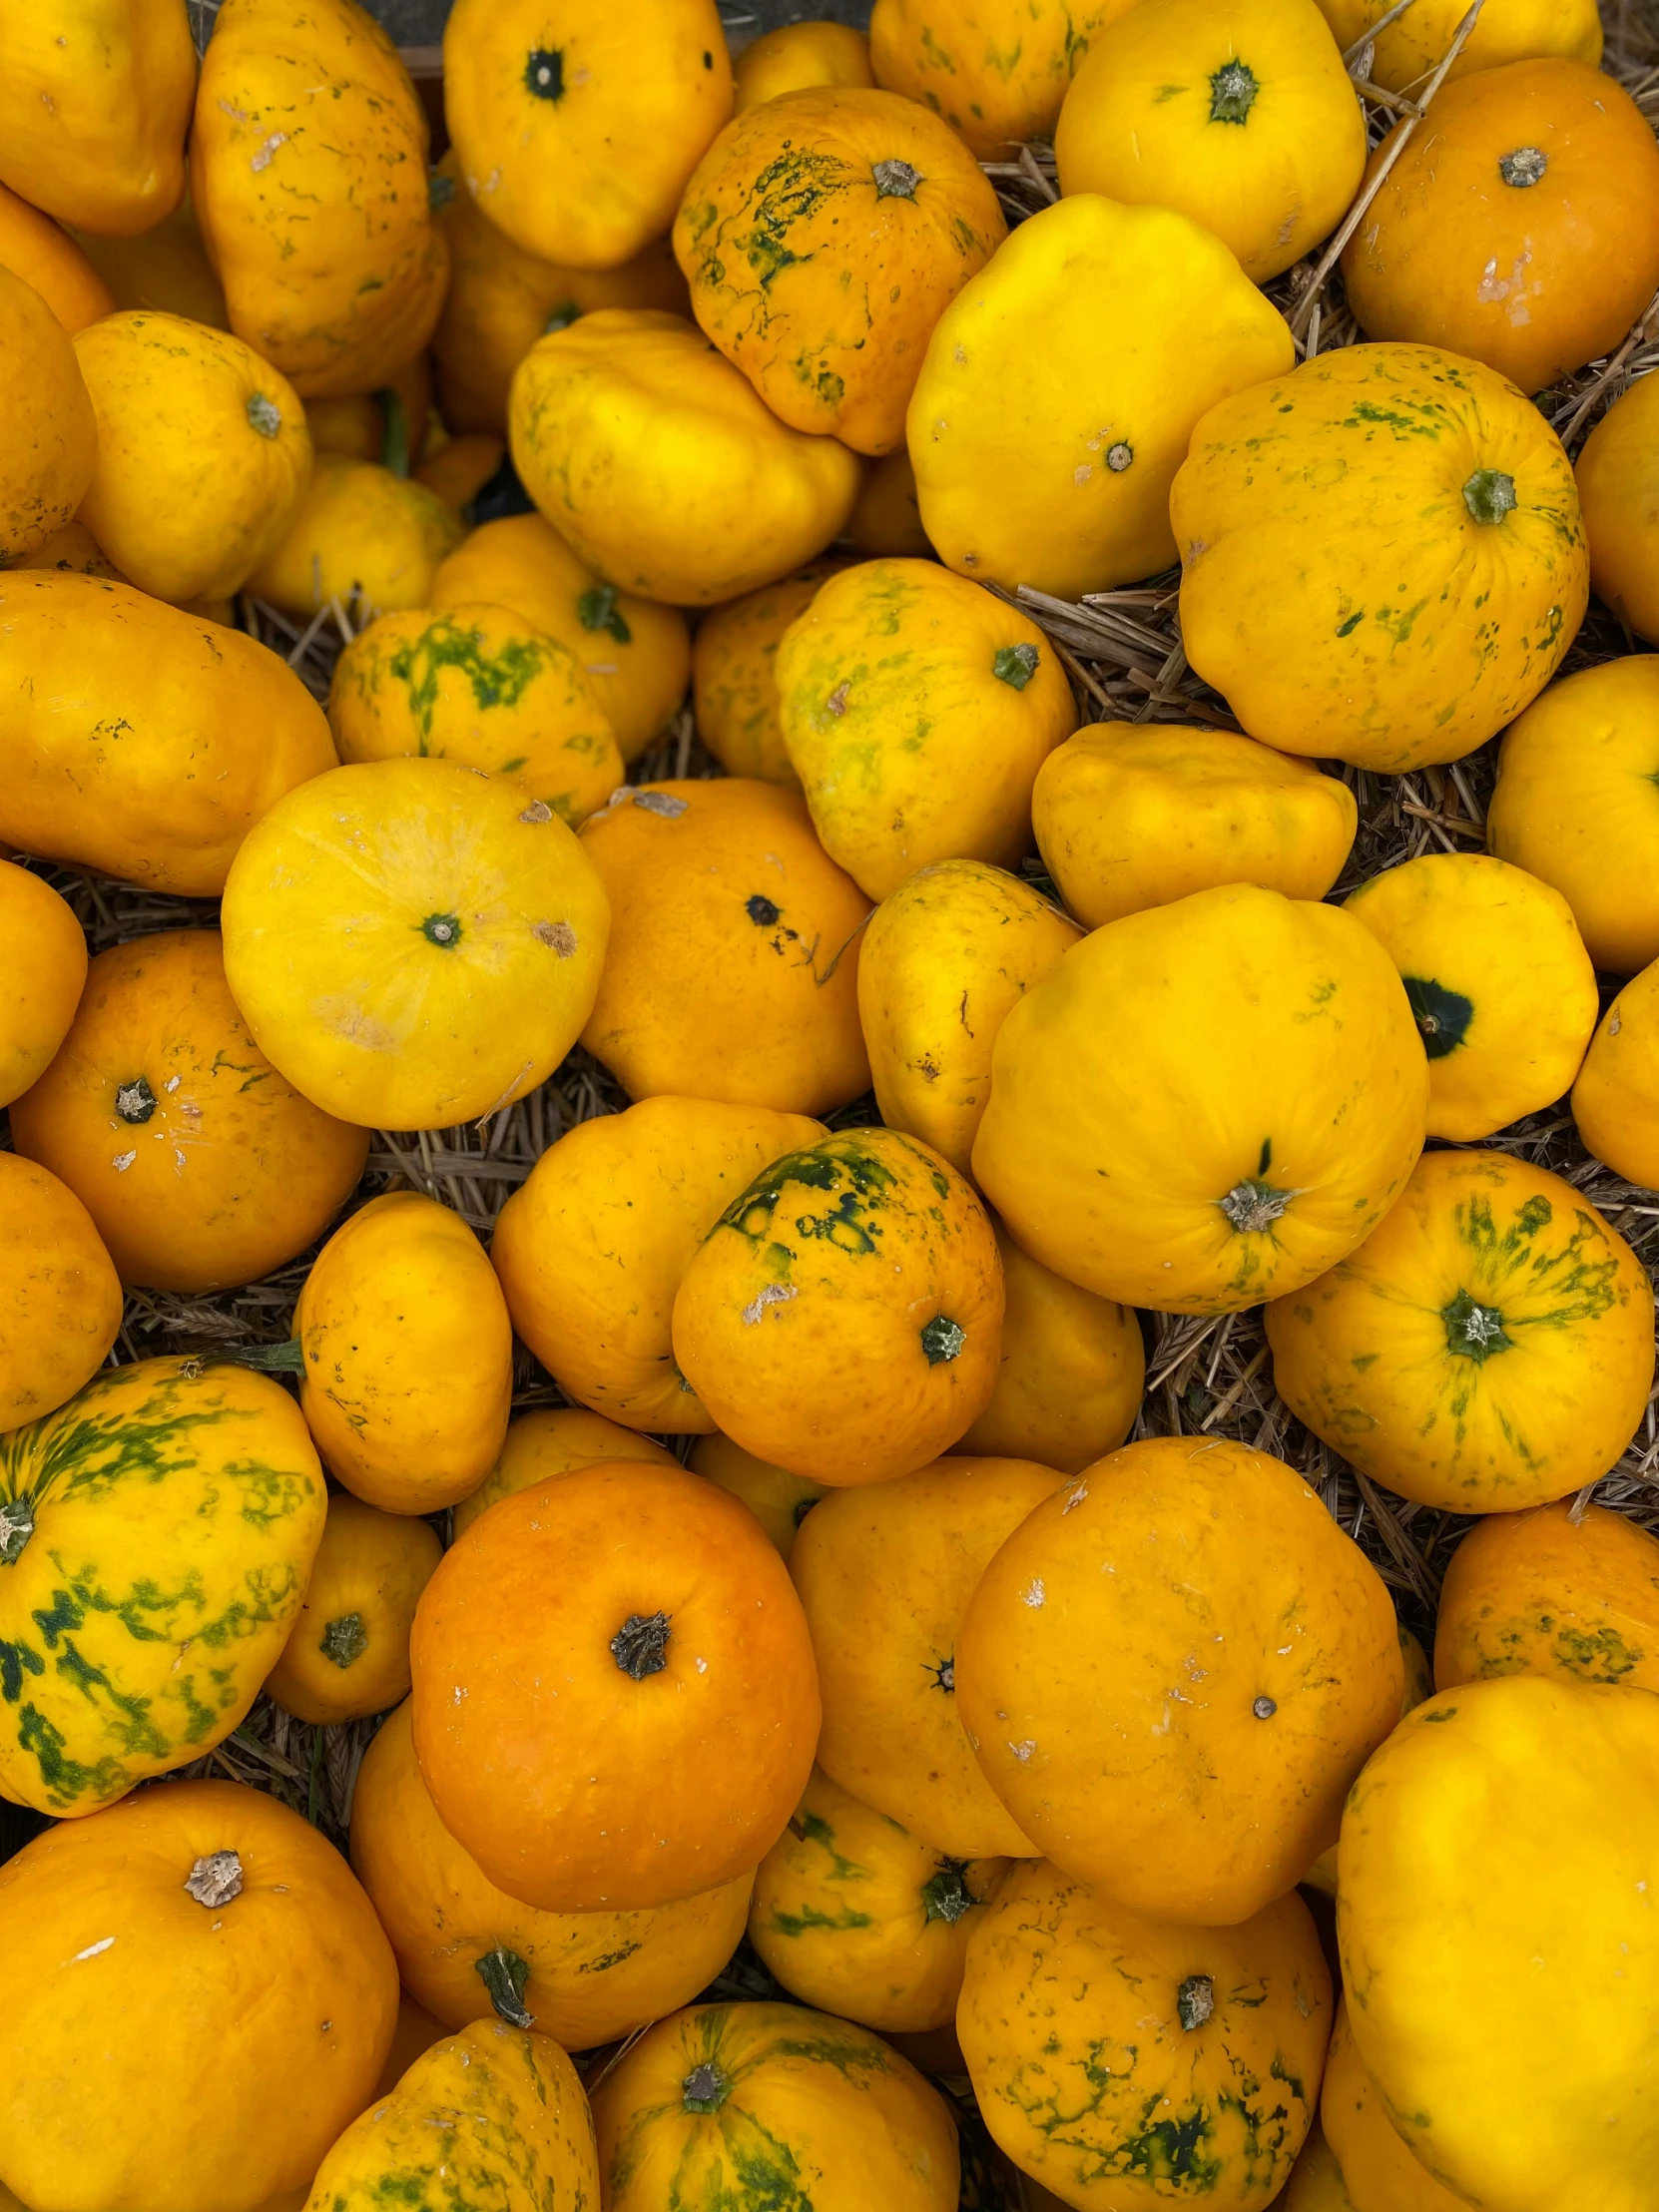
{"x": 156, "y": 1537}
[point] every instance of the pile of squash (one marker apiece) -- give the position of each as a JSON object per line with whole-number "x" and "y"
{"x": 835, "y": 1593}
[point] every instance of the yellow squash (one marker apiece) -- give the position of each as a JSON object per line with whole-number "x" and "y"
{"x": 1134, "y": 814}
{"x": 1205, "y": 1104}
{"x": 1383, "y": 556}
{"x": 156, "y": 1534}
{"x": 348, "y": 1654}
{"x": 797, "y": 56}
{"x": 1498, "y": 1943}
{"x": 885, "y": 517}
{"x": 94, "y": 106}
{"x": 1616, "y": 1101}
{"x": 734, "y": 675}
{"x": 1051, "y": 465}
{"x": 201, "y": 1166}
{"x": 361, "y": 536}
{"x": 663, "y": 466}
{"x": 1360, "y": 2135}
{"x": 547, "y": 1442}
{"x": 1499, "y": 983}
{"x": 1547, "y": 1593}
{"x": 408, "y": 1356}
{"x": 821, "y": 236}
{"x": 997, "y": 70}
{"x": 851, "y": 1911}
{"x": 60, "y": 1297}
{"x": 843, "y": 1316}
{"x": 1073, "y": 1363}
{"x": 917, "y": 710}
{"x": 463, "y": 1945}
{"x": 746, "y": 2104}
{"x": 1316, "y": 2183}
{"x": 48, "y": 957}
{"x": 1412, "y": 46}
{"x": 412, "y": 944}
{"x": 1172, "y": 1671}
{"x": 203, "y": 455}
{"x": 779, "y": 1501}
{"x": 635, "y": 654}
{"x": 166, "y": 270}
{"x": 485, "y": 689}
{"x": 492, "y": 2111}
{"x": 732, "y": 969}
{"x": 309, "y": 174}
{"x": 1577, "y": 804}
{"x": 1489, "y": 1346}
{"x": 1238, "y": 113}
{"x": 48, "y": 259}
{"x": 52, "y": 434}
{"x": 884, "y": 1574}
{"x": 591, "y": 1250}
{"x": 461, "y": 468}
{"x": 946, "y": 956}
{"x": 543, "y": 96}
{"x": 1130, "y": 2063}
{"x": 1618, "y": 485}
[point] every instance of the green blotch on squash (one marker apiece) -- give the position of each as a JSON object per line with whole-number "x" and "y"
{"x": 597, "y": 610}
{"x": 1016, "y": 664}
{"x": 1442, "y": 1016}
{"x": 1490, "y": 495}
{"x": 1233, "y": 91}
{"x": 506, "y": 1977}
{"x": 544, "y": 73}
{"x": 345, "y": 1640}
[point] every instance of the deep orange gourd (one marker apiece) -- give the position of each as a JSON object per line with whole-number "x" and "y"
{"x": 799, "y": 54}
{"x": 1544, "y": 1592}
{"x": 200, "y": 1165}
{"x": 732, "y": 968}
{"x": 844, "y": 1317}
{"x": 60, "y": 1297}
{"x": 592, "y": 1249}
{"x": 625, "y": 1735}
{"x": 146, "y": 1930}
{"x": 1618, "y": 487}
{"x": 1172, "y": 1671}
{"x": 50, "y": 447}
{"x": 464, "y": 1946}
{"x": 347, "y": 1655}
{"x": 1520, "y": 224}
{"x": 43, "y": 254}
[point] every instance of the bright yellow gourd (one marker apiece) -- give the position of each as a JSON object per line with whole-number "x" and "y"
{"x": 1135, "y": 815}
{"x": 1489, "y": 1347}
{"x": 1381, "y": 556}
{"x": 1130, "y": 2063}
{"x": 1501, "y": 984}
{"x": 94, "y": 108}
{"x": 1405, "y": 54}
{"x": 48, "y": 259}
{"x": 591, "y": 1250}
{"x": 734, "y": 675}
{"x": 821, "y": 236}
{"x": 997, "y": 70}
{"x": 203, "y": 455}
{"x": 494, "y": 2111}
{"x": 413, "y": 944}
{"x": 1577, "y": 804}
{"x": 1505, "y": 1824}
{"x": 635, "y": 654}
{"x": 1618, "y": 486}
{"x": 1238, "y": 113}
{"x": 360, "y": 535}
{"x": 663, "y": 466}
{"x": 166, "y": 269}
{"x": 1545, "y": 1592}
{"x": 1052, "y": 465}
{"x": 850, "y": 1911}
{"x": 47, "y": 957}
{"x": 917, "y": 710}
{"x": 541, "y": 100}
{"x": 1069, "y": 1385}
{"x": 547, "y": 1442}
{"x": 1616, "y": 1101}
{"x": 348, "y": 1654}
{"x": 309, "y": 174}
{"x": 779, "y": 1501}
{"x": 60, "y": 1297}
{"x": 1362, "y": 2138}
{"x": 51, "y": 436}
{"x": 798, "y": 56}
{"x": 1246, "y": 1069}
{"x": 944, "y": 960}
{"x": 485, "y": 689}
{"x": 190, "y": 1501}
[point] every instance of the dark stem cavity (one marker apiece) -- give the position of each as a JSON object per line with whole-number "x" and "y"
{"x": 1195, "y": 2001}
{"x": 762, "y": 912}
{"x": 946, "y": 1895}
{"x": 135, "y": 1101}
{"x": 1016, "y": 664}
{"x": 264, "y": 414}
{"x": 506, "y": 1977}
{"x": 942, "y": 1340}
{"x": 895, "y": 180}
{"x": 1524, "y": 167}
{"x": 1253, "y": 1205}
{"x": 1265, "y": 1708}
{"x": 440, "y": 192}
{"x": 544, "y": 73}
{"x": 597, "y": 608}
{"x": 215, "y": 1879}
{"x": 1490, "y": 495}
{"x": 443, "y": 930}
{"x": 561, "y": 319}
{"x": 1233, "y": 91}
{"x": 17, "y": 1525}
{"x": 345, "y": 1640}
{"x": 943, "y": 1672}
{"x": 640, "y": 1645}
{"x": 1441, "y": 1017}
{"x": 1119, "y": 456}
{"x": 706, "y": 2088}
{"x": 1473, "y": 1330}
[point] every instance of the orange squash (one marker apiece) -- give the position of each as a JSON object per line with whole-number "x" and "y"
{"x": 734, "y": 678}
{"x": 1544, "y": 1592}
{"x": 1616, "y": 1101}
{"x": 886, "y": 1575}
{"x": 550, "y": 1441}
{"x": 1172, "y": 1671}
{"x": 779, "y": 1501}
{"x": 798, "y": 56}
{"x": 347, "y": 1655}
{"x": 464, "y": 1946}
{"x": 52, "y": 443}
{"x": 997, "y": 70}
{"x": 141, "y": 1930}
{"x": 1406, "y": 51}
{"x": 1069, "y": 1385}
{"x": 1618, "y": 489}
{"x": 47, "y": 958}
{"x": 630, "y": 1733}
{"x": 1519, "y": 226}
{"x": 72, "y": 551}
{"x": 407, "y": 1351}
{"x": 43, "y": 254}
{"x": 202, "y": 1166}
{"x": 732, "y": 968}
{"x": 844, "y": 1317}
{"x": 165, "y": 268}
{"x": 60, "y": 1297}
{"x": 461, "y": 468}
{"x": 592, "y": 1250}
{"x": 885, "y": 522}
